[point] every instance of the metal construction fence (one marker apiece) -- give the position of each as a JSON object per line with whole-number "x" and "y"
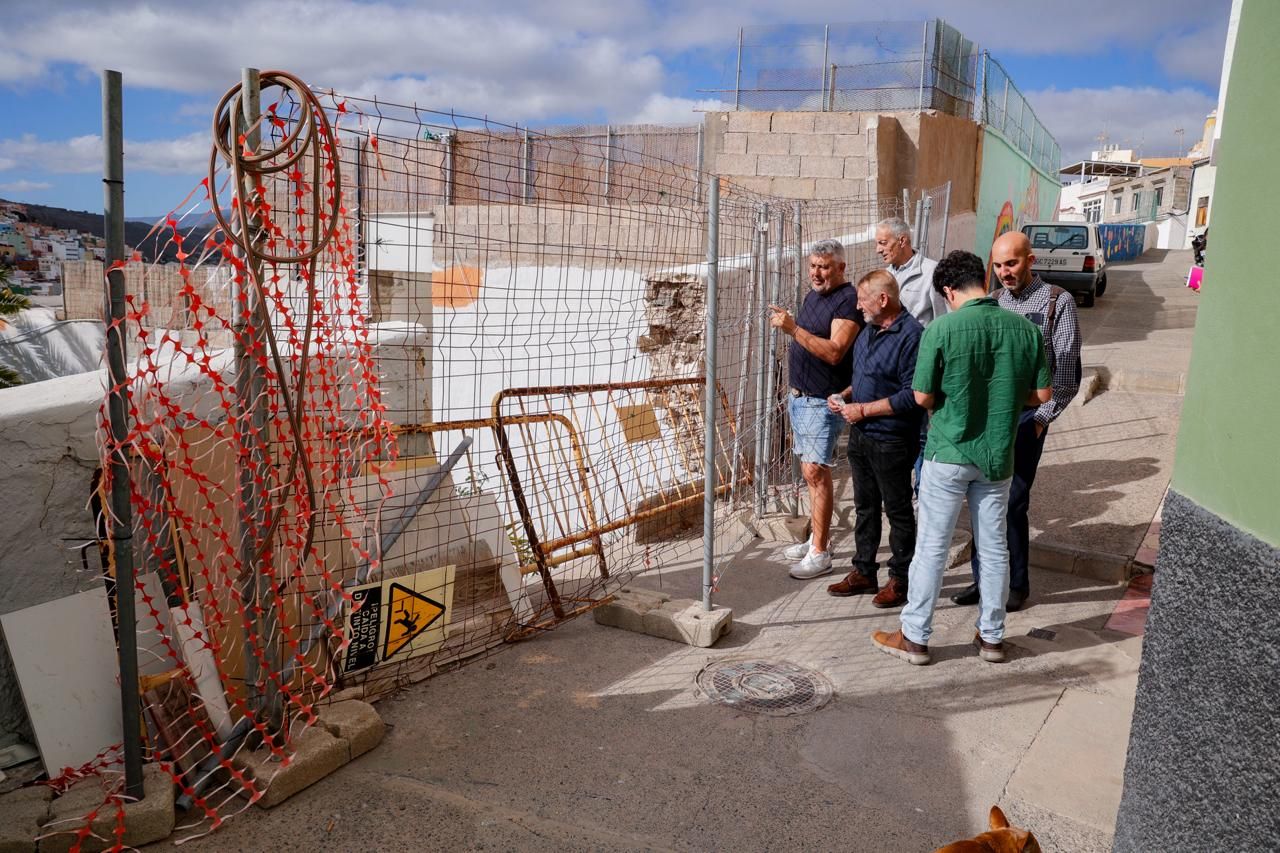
{"x": 430, "y": 384}
{"x": 1003, "y": 107}
{"x": 886, "y": 67}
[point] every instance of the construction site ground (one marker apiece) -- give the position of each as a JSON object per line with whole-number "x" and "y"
{"x": 593, "y": 738}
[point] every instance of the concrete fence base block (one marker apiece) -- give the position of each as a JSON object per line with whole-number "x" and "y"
{"x": 780, "y": 527}
{"x": 22, "y": 814}
{"x": 356, "y": 723}
{"x": 658, "y": 615}
{"x": 628, "y": 608}
{"x": 147, "y": 820}
{"x": 316, "y": 754}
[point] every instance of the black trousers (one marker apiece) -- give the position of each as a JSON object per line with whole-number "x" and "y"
{"x": 882, "y": 479}
{"x": 1027, "y": 449}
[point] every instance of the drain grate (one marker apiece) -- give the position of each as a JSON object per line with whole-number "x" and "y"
{"x": 777, "y": 688}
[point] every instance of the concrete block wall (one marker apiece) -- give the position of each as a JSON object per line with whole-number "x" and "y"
{"x": 803, "y": 155}
{"x": 837, "y": 155}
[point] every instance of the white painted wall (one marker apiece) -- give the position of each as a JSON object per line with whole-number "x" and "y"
{"x": 1201, "y": 186}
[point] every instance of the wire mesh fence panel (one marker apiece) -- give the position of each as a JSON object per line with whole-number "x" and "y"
{"x": 426, "y": 385}
{"x": 1004, "y": 108}
{"x": 885, "y": 66}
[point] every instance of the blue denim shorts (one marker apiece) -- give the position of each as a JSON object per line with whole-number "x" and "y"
{"x": 815, "y": 430}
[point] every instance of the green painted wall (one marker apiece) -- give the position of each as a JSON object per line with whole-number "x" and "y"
{"x": 1228, "y": 456}
{"x": 1011, "y": 192}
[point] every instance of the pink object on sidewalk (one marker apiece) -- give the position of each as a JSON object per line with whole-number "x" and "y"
{"x": 1194, "y": 278}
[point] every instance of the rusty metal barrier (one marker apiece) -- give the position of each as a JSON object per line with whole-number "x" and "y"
{"x": 548, "y": 551}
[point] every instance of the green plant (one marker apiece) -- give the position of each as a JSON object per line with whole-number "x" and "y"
{"x": 473, "y": 485}
{"x": 524, "y": 552}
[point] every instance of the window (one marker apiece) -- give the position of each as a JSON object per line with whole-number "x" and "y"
{"x": 1137, "y": 200}
{"x": 1202, "y": 211}
{"x": 1057, "y": 236}
{"x": 1159, "y": 197}
{"x": 1093, "y": 210}
{"x": 1117, "y": 203}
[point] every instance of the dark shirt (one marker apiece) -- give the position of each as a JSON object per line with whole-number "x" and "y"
{"x": 884, "y": 362}
{"x": 813, "y": 376}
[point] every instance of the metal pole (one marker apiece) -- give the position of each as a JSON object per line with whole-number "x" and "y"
{"x": 762, "y": 283}
{"x": 121, "y": 520}
{"x": 712, "y": 397}
{"x": 737, "y": 80}
{"x": 253, "y": 466}
{"x": 608, "y": 161}
{"x": 826, "y": 48}
{"x": 448, "y": 140}
{"x": 797, "y": 226}
{"x": 1004, "y": 108}
{"x": 702, "y": 155}
{"x": 906, "y": 204}
{"x": 927, "y": 226}
{"x": 770, "y": 360}
{"x": 924, "y": 56}
{"x": 915, "y": 226}
{"x": 946, "y": 220}
{"x": 831, "y": 91}
{"x": 980, "y": 108}
{"x": 526, "y": 168}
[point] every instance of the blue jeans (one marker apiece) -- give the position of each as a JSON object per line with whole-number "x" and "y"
{"x": 1027, "y": 449}
{"x": 943, "y": 490}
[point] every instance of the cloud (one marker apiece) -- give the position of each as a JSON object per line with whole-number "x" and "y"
{"x": 518, "y": 62}
{"x": 1142, "y": 118}
{"x": 1195, "y": 55}
{"x": 82, "y": 155}
{"x": 664, "y": 109}
{"x": 24, "y": 187}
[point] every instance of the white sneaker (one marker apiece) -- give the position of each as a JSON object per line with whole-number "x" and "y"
{"x": 814, "y": 565}
{"x": 798, "y": 551}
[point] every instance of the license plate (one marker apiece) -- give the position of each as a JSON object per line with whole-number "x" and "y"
{"x": 1055, "y": 262}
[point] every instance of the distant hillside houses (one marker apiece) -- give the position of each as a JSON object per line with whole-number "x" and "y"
{"x": 35, "y": 253}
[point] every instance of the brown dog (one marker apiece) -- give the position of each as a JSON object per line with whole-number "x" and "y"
{"x": 1001, "y": 839}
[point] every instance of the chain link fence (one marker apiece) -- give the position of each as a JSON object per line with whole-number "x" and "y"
{"x": 886, "y": 67}
{"x": 1002, "y": 106}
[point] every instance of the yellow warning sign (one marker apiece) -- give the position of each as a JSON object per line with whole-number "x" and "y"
{"x": 405, "y": 617}
{"x": 410, "y": 614}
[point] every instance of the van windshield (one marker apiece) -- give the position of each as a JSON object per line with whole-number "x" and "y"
{"x": 1057, "y": 236}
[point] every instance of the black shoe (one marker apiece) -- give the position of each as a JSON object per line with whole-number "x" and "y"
{"x": 967, "y": 596}
{"x": 1017, "y": 598}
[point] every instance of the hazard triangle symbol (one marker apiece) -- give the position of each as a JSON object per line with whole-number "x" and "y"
{"x": 410, "y": 613}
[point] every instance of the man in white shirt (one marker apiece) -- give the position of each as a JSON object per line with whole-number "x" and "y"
{"x": 913, "y": 270}
{"x": 914, "y": 273}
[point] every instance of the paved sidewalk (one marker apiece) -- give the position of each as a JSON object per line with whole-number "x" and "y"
{"x": 591, "y": 738}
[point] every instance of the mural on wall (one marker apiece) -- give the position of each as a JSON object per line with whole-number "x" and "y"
{"x": 1011, "y": 192}
{"x": 1122, "y": 242}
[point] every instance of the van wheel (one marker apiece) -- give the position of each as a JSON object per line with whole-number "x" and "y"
{"x": 1102, "y": 285}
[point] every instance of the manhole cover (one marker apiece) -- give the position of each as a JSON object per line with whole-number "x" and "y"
{"x": 779, "y": 688}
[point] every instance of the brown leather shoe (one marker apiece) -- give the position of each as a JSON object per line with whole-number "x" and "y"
{"x": 900, "y": 647}
{"x": 853, "y": 584}
{"x": 894, "y": 594}
{"x": 990, "y": 652}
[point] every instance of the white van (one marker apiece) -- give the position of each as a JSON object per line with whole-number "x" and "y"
{"x": 1069, "y": 254}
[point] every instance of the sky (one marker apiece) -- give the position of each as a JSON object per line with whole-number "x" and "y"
{"x": 1133, "y": 70}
